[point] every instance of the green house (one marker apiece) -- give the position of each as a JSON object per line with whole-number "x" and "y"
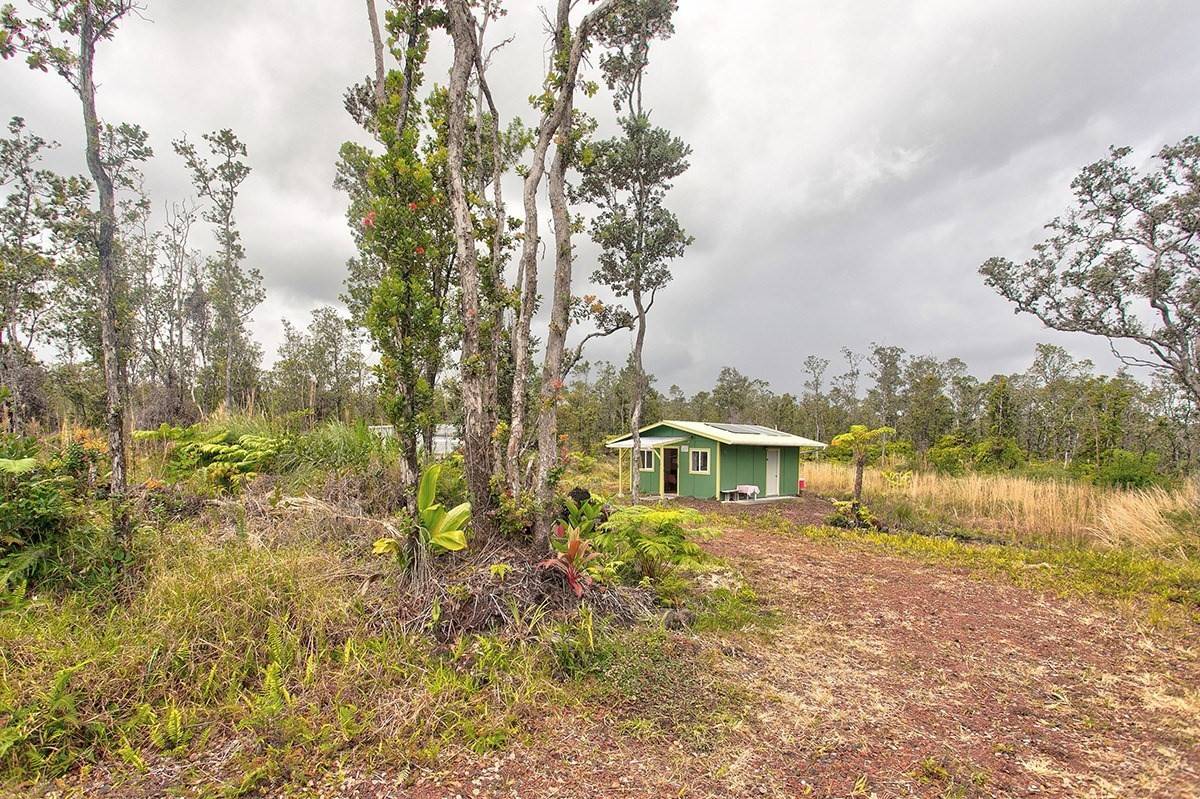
{"x": 713, "y": 461}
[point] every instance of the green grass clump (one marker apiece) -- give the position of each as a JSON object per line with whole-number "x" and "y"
{"x": 735, "y": 609}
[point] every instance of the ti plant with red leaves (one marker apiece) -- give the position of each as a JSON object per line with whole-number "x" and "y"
{"x": 573, "y": 559}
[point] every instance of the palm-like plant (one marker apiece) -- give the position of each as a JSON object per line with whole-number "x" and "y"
{"x": 858, "y": 439}
{"x": 646, "y": 542}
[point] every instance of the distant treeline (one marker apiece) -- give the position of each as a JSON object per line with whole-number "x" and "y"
{"x": 1059, "y": 415}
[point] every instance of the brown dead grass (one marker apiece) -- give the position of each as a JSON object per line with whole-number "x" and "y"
{"x": 1029, "y": 511}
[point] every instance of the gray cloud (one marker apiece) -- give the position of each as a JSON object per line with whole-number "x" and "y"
{"x": 853, "y": 163}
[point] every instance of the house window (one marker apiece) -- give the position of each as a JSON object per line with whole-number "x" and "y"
{"x": 647, "y": 458}
{"x": 699, "y": 461}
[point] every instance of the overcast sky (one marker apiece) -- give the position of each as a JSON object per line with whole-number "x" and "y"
{"x": 853, "y": 163}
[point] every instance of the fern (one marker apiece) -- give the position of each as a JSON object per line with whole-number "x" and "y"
{"x": 648, "y": 542}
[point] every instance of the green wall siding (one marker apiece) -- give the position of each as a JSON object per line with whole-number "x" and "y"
{"x": 742, "y": 465}
{"x": 789, "y": 470}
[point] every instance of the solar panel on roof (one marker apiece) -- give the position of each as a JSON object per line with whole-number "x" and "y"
{"x": 746, "y": 429}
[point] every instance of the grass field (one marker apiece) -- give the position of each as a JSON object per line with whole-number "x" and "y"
{"x": 1027, "y": 511}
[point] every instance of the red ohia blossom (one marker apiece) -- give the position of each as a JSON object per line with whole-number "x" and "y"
{"x": 413, "y": 206}
{"x": 419, "y": 251}
{"x": 369, "y": 219}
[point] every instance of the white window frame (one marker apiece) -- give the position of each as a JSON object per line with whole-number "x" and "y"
{"x": 707, "y": 460}
{"x": 642, "y": 453}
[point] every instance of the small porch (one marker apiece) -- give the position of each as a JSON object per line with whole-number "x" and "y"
{"x": 656, "y": 446}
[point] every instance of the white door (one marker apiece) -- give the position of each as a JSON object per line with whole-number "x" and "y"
{"x": 772, "y": 473}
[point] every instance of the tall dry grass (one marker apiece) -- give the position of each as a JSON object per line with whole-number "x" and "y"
{"x": 1025, "y": 510}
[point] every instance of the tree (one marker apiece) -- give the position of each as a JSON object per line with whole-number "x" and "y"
{"x": 36, "y": 198}
{"x": 628, "y": 177}
{"x": 233, "y": 292}
{"x": 318, "y": 369}
{"x": 736, "y": 396}
{"x": 402, "y": 287}
{"x": 858, "y": 439}
{"x": 884, "y": 397}
{"x": 64, "y": 37}
{"x": 179, "y": 262}
{"x": 928, "y": 412}
{"x": 478, "y": 379}
{"x": 1124, "y": 263}
{"x": 555, "y": 103}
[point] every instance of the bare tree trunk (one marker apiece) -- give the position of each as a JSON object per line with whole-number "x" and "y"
{"x": 229, "y": 372}
{"x": 859, "y": 464}
{"x": 477, "y": 435}
{"x": 560, "y": 320}
{"x": 639, "y": 393}
{"x": 493, "y": 282}
{"x": 548, "y": 128}
{"x": 377, "y": 48}
{"x": 116, "y": 389}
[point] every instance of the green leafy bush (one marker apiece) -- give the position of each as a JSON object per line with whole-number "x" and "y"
{"x": 37, "y": 510}
{"x": 514, "y": 515}
{"x": 950, "y": 455}
{"x": 583, "y": 516}
{"x": 997, "y": 453}
{"x": 437, "y": 530}
{"x": 853, "y": 515}
{"x": 223, "y": 459}
{"x": 14, "y": 447}
{"x": 1124, "y": 469}
{"x": 647, "y": 542}
{"x": 452, "y": 481}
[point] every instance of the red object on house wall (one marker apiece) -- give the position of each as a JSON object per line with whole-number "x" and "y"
{"x": 801, "y": 484}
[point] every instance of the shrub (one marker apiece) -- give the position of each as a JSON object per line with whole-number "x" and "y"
{"x": 646, "y": 542}
{"x": 573, "y": 559}
{"x": 950, "y": 455}
{"x": 997, "y": 453}
{"x": 1124, "y": 469}
{"x": 36, "y": 513}
{"x": 853, "y": 515}
{"x": 223, "y": 459}
{"x": 14, "y": 447}
{"x": 583, "y": 516}
{"x": 452, "y": 481}
{"x": 514, "y": 515}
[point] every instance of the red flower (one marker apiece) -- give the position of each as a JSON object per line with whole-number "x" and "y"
{"x": 369, "y": 219}
{"x": 413, "y": 206}
{"x": 420, "y": 250}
